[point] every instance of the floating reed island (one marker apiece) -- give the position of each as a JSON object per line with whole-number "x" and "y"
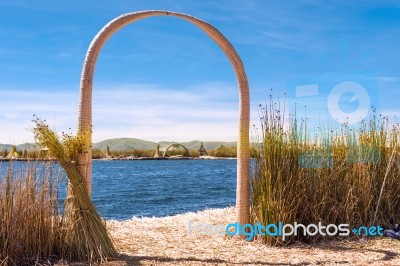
{"x": 174, "y": 151}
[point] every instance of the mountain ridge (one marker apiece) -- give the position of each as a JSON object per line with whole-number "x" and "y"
{"x": 135, "y": 143}
{"x": 139, "y": 144}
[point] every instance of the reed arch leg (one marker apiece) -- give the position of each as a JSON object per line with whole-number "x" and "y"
{"x": 85, "y": 105}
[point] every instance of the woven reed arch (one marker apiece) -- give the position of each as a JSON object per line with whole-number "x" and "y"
{"x": 130, "y": 149}
{"x": 85, "y": 105}
{"x": 176, "y": 145}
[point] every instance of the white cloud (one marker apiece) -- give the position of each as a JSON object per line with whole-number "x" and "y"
{"x": 388, "y": 79}
{"x": 204, "y": 111}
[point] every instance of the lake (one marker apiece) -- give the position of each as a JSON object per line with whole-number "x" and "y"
{"x": 123, "y": 189}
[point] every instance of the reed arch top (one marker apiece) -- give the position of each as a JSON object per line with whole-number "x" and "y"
{"x": 85, "y": 105}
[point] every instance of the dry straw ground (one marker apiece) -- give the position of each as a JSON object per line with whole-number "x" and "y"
{"x": 164, "y": 241}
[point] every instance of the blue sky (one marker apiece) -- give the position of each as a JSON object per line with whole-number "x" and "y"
{"x": 163, "y": 79}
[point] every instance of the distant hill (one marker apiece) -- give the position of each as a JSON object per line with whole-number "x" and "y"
{"x": 124, "y": 143}
{"x": 5, "y": 147}
{"x": 119, "y": 144}
{"x": 195, "y": 144}
{"x": 20, "y": 147}
{"x": 138, "y": 144}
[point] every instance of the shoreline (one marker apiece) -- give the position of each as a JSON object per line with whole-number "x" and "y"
{"x": 25, "y": 160}
{"x": 167, "y": 158}
{"x": 127, "y": 159}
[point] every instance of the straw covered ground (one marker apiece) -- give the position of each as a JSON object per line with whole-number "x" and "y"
{"x": 165, "y": 241}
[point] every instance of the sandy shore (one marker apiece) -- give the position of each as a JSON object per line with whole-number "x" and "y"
{"x": 165, "y": 241}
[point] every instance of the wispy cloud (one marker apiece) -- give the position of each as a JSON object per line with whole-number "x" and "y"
{"x": 203, "y": 111}
{"x": 44, "y": 43}
{"x": 388, "y": 79}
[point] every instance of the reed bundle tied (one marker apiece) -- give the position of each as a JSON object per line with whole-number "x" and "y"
{"x": 86, "y": 237}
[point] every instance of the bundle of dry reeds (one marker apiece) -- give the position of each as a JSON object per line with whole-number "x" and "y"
{"x": 29, "y": 229}
{"x": 86, "y": 237}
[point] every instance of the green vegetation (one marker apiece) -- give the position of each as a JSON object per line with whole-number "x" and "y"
{"x": 225, "y": 152}
{"x": 122, "y": 154}
{"x": 333, "y": 176}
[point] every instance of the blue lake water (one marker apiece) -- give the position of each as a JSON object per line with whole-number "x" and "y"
{"x": 123, "y": 189}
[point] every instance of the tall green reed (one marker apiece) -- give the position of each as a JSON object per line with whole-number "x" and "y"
{"x": 331, "y": 175}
